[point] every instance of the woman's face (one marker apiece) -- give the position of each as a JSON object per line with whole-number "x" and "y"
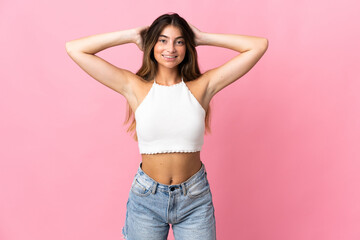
{"x": 170, "y": 48}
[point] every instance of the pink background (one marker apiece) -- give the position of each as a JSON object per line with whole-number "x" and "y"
{"x": 283, "y": 158}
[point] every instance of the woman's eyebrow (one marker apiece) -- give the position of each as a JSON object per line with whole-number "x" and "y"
{"x": 168, "y": 37}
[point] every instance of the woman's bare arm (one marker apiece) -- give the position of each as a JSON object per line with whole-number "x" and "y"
{"x": 251, "y": 49}
{"x": 83, "y": 51}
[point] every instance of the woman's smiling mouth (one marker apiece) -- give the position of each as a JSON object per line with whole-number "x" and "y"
{"x": 170, "y": 57}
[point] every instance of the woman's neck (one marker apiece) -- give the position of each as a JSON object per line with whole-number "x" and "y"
{"x": 167, "y": 76}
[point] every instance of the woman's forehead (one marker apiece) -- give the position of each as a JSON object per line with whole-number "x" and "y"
{"x": 171, "y": 32}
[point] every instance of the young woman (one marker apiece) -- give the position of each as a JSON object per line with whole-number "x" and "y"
{"x": 169, "y": 99}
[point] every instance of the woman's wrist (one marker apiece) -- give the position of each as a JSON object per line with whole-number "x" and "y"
{"x": 202, "y": 38}
{"x": 133, "y": 35}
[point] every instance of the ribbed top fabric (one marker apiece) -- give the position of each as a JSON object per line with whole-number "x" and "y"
{"x": 170, "y": 119}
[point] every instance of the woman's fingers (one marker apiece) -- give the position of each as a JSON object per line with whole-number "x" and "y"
{"x": 197, "y": 33}
{"x": 139, "y": 37}
{"x": 196, "y": 30}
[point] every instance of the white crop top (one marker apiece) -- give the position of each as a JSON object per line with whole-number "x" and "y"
{"x": 170, "y": 119}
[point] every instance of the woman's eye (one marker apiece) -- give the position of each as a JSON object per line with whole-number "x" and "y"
{"x": 178, "y": 42}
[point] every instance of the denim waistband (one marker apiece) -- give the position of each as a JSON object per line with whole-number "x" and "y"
{"x": 148, "y": 182}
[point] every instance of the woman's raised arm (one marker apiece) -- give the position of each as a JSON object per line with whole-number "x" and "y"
{"x": 83, "y": 51}
{"x": 251, "y": 49}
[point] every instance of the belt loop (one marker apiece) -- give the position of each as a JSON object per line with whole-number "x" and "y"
{"x": 184, "y": 188}
{"x": 154, "y": 188}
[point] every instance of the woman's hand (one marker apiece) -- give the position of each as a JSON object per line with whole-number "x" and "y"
{"x": 138, "y": 37}
{"x": 198, "y": 34}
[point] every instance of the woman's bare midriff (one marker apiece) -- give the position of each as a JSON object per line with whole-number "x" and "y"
{"x": 171, "y": 168}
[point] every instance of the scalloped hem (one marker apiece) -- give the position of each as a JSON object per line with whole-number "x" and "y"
{"x": 172, "y": 151}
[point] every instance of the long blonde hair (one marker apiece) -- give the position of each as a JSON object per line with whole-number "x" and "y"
{"x": 188, "y": 68}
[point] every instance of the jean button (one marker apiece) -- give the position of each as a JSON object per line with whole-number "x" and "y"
{"x": 172, "y": 188}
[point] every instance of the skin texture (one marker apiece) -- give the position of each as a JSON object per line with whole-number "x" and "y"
{"x": 167, "y": 168}
{"x": 170, "y": 168}
{"x": 170, "y": 42}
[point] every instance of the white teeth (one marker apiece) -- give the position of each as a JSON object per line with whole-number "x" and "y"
{"x": 169, "y": 56}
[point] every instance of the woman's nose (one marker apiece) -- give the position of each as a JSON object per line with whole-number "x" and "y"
{"x": 171, "y": 48}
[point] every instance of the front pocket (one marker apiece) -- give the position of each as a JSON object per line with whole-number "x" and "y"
{"x": 199, "y": 188}
{"x": 140, "y": 189}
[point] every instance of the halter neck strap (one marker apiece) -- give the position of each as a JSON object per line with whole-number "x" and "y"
{"x": 182, "y": 80}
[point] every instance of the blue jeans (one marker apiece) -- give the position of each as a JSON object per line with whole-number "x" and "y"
{"x": 187, "y": 206}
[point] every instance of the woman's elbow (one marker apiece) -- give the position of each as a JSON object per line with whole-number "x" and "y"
{"x": 67, "y": 46}
{"x": 262, "y": 44}
{"x": 265, "y": 44}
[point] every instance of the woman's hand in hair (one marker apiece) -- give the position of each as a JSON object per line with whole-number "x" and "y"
{"x": 197, "y": 33}
{"x": 139, "y": 36}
